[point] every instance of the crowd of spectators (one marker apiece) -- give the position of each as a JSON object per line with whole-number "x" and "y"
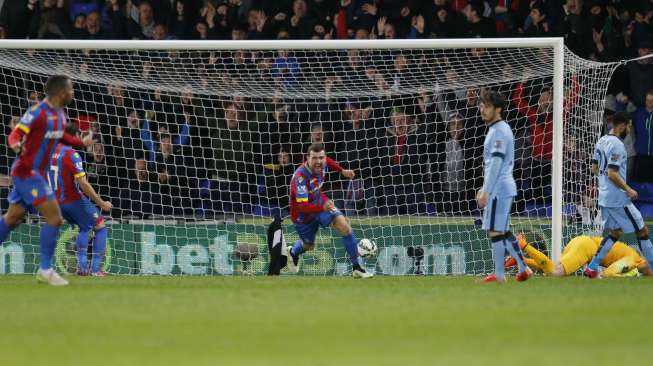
{"x": 187, "y": 153}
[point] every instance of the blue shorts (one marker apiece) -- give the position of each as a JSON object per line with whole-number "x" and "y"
{"x": 30, "y": 192}
{"x": 627, "y": 218}
{"x": 496, "y": 216}
{"x": 308, "y": 231}
{"x": 82, "y": 213}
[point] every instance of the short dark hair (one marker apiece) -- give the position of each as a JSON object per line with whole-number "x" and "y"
{"x": 620, "y": 118}
{"x": 316, "y": 147}
{"x": 495, "y": 99}
{"x": 71, "y": 128}
{"x": 650, "y": 92}
{"x": 55, "y": 84}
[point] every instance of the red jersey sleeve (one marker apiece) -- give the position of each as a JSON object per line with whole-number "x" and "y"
{"x": 333, "y": 165}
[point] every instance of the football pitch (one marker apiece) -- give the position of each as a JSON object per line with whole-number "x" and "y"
{"x": 325, "y": 321}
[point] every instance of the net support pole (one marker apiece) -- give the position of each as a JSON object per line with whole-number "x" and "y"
{"x": 558, "y": 137}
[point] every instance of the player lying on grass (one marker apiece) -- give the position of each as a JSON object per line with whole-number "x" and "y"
{"x": 621, "y": 260}
{"x": 310, "y": 209}
{"x": 68, "y": 179}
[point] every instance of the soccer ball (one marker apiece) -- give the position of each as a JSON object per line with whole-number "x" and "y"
{"x": 367, "y": 248}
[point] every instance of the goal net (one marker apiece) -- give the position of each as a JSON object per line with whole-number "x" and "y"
{"x": 195, "y": 148}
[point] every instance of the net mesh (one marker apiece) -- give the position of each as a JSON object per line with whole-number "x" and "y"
{"x": 195, "y": 149}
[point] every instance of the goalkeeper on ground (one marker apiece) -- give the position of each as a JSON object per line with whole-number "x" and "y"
{"x": 310, "y": 209}
{"x": 621, "y": 260}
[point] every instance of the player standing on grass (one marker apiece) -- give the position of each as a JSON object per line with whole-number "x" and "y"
{"x": 68, "y": 179}
{"x": 617, "y": 211}
{"x": 499, "y": 187}
{"x": 310, "y": 209}
{"x": 35, "y": 137}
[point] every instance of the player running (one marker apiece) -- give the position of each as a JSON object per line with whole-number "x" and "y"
{"x": 618, "y": 213}
{"x": 310, "y": 209}
{"x": 34, "y": 139}
{"x": 621, "y": 260}
{"x": 499, "y": 187}
{"x": 68, "y": 179}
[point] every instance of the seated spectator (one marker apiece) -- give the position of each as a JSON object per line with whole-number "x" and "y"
{"x": 15, "y": 17}
{"x": 451, "y": 197}
{"x": 232, "y": 146}
{"x": 94, "y": 27}
{"x": 643, "y": 126}
{"x": 137, "y": 198}
{"x": 537, "y": 24}
{"x": 277, "y": 180}
{"x": 50, "y": 20}
{"x": 78, "y": 30}
{"x": 477, "y": 25}
{"x": 403, "y": 166}
{"x": 179, "y": 22}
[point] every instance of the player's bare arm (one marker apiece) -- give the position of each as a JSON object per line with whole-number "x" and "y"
{"x": 614, "y": 177}
{"x": 90, "y": 192}
{"x": 595, "y": 168}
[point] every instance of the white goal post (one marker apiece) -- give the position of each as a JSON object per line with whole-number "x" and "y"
{"x": 511, "y": 65}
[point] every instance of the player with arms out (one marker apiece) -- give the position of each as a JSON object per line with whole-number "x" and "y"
{"x": 68, "y": 179}
{"x": 35, "y": 137}
{"x": 499, "y": 188}
{"x": 618, "y": 213}
{"x": 310, "y": 209}
{"x": 621, "y": 260}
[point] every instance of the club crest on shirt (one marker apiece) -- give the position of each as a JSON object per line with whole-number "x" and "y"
{"x": 300, "y": 179}
{"x": 497, "y": 144}
{"x": 35, "y": 193}
{"x": 614, "y": 157}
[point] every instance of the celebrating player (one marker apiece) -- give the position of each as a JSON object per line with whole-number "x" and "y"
{"x": 67, "y": 176}
{"x": 34, "y": 139}
{"x": 499, "y": 187}
{"x": 310, "y": 209}
{"x": 617, "y": 212}
{"x": 621, "y": 260}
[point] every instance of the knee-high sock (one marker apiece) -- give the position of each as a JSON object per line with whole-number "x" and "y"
{"x": 498, "y": 255}
{"x": 82, "y": 245}
{"x": 647, "y": 249}
{"x": 515, "y": 252}
{"x": 349, "y": 241}
{"x": 49, "y": 235}
{"x": 99, "y": 248}
{"x": 604, "y": 248}
{"x": 297, "y": 248}
{"x": 543, "y": 262}
{"x": 5, "y": 230}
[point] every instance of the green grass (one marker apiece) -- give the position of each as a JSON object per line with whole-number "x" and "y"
{"x": 335, "y": 321}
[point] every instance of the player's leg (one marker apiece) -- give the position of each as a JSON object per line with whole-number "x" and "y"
{"x": 16, "y": 211}
{"x": 636, "y": 220}
{"x": 99, "y": 245}
{"x": 610, "y": 223}
{"x": 49, "y": 209}
{"x": 73, "y": 213}
{"x": 305, "y": 243}
{"x": 10, "y": 220}
{"x": 497, "y": 242}
{"x": 341, "y": 225}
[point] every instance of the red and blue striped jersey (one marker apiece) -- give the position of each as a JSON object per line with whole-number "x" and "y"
{"x": 43, "y": 127}
{"x": 306, "y": 198}
{"x": 66, "y": 166}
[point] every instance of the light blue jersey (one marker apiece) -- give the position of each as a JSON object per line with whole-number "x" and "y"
{"x": 610, "y": 152}
{"x": 498, "y": 179}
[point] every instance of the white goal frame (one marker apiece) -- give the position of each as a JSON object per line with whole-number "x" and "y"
{"x": 555, "y": 43}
